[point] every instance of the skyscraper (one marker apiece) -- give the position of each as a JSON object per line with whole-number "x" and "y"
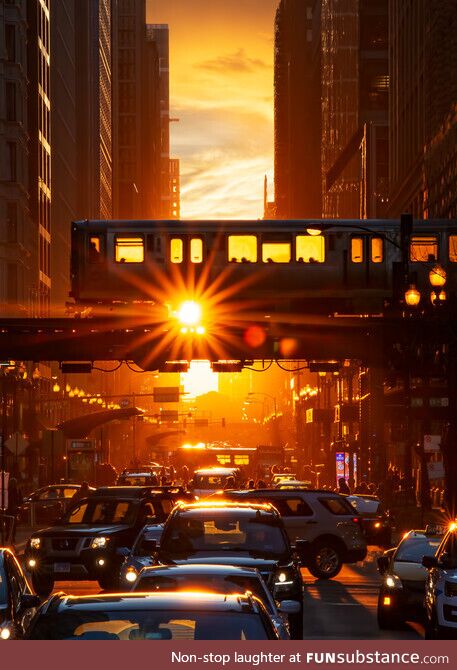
{"x": 355, "y": 99}
{"x": 297, "y": 112}
{"x": 39, "y": 130}
{"x": 16, "y": 239}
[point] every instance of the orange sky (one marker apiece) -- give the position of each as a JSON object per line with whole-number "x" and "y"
{"x": 222, "y": 90}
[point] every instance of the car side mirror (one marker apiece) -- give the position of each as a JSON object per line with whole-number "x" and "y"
{"x": 430, "y": 562}
{"x": 123, "y": 551}
{"x": 29, "y": 600}
{"x": 289, "y": 607}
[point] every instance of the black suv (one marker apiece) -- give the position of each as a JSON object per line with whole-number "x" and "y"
{"x": 83, "y": 543}
{"x": 247, "y": 535}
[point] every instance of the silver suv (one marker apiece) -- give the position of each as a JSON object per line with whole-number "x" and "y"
{"x": 325, "y": 519}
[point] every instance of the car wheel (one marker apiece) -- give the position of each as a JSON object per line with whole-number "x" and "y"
{"x": 42, "y": 584}
{"x": 296, "y": 625}
{"x": 109, "y": 582}
{"x": 325, "y": 561}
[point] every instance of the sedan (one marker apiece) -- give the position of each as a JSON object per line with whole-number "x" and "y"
{"x": 224, "y": 579}
{"x": 17, "y": 601}
{"x": 153, "y": 616}
{"x": 401, "y": 596}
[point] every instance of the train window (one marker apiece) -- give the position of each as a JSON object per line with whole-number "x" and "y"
{"x": 377, "y": 250}
{"x": 95, "y": 249}
{"x": 357, "y": 249}
{"x": 242, "y": 248}
{"x": 241, "y": 459}
{"x": 176, "y": 250}
{"x": 310, "y": 249}
{"x": 276, "y": 252}
{"x": 129, "y": 249}
{"x": 423, "y": 248}
{"x": 196, "y": 250}
{"x": 223, "y": 459}
{"x": 453, "y": 248}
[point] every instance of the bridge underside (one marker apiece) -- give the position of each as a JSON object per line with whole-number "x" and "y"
{"x": 369, "y": 340}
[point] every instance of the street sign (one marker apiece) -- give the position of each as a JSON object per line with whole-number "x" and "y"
{"x": 166, "y": 394}
{"x": 432, "y": 443}
{"x": 435, "y": 470}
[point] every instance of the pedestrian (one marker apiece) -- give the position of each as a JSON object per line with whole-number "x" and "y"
{"x": 250, "y": 484}
{"x": 82, "y": 492}
{"x": 154, "y": 480}
{"x": 261, "y": 484}
{"x": 185, "y": 475}
{"x": 14, "y": 503}
{"x": 229, "y": 483}
{"x": 343, "y": 486}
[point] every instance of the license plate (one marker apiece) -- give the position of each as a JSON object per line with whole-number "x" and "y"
{"x": 62, "y": 567}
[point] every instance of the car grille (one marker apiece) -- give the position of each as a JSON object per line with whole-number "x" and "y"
{"x": 64, "y": 544}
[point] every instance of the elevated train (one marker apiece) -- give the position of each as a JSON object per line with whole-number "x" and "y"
{"x": 326, "y": 266}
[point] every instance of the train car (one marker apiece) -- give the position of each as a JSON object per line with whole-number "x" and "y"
{"x": 345, "y": 267}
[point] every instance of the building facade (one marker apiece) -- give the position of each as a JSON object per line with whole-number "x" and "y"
{"x": 16, "y": 239}
{"x": 297, "y": 112}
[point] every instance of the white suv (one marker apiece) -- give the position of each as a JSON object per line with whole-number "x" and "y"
{"x": 441, "y": 589}
{"x": 325, "y": 519}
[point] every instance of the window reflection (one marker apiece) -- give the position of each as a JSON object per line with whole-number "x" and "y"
{"x": 276, "y": 252}
{"x": 176, "y": 250}
{"x": 196, "y": 250}
{"x": 357, "y": 250}
{"x": 423, "y": 249}
{"x": 377, "y": 250}
{"x": 242, "y": 249}
{"x": 129, "y": 249}
{"x": 310, "y": 249}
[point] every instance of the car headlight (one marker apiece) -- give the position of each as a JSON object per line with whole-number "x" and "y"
{"x": 35, "y": 542}
{"x": 393, "y": 582}
{"x": 283, "y": 578}
{"x": 99, "y": 542}
{"x": 450, "y": 589}
{"x": 131, "y": 575}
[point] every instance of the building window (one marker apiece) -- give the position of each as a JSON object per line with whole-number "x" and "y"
{"x": 453, "y": 248}
{"x": 276, "y": 252}
{"x": 129, "y": 249}
{"x": 10, "y": 42}
{"x": 242, "y": 249}
{"x": 377, "y": 250}
{"x": 310, "y": 249}
{"x": 357, "y": 249}
{"x": 176, "y": 250}
{"x": 423, "y": 249}
{"x": 10, "y": 95}
{"x": 11, "y": 222}
{"x": 11, "y": 161}
{"x": 196, "y": 249}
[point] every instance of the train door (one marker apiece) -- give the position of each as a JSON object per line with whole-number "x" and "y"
{"x": 357, "y": 260}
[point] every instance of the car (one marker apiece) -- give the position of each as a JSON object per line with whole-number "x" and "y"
{"x": 441, "y": 588}
{"x": 225, "y": 579}
{"x": 153, "y": 616}
{"x": 376, "y": 522}
{"x": 143, "y": 475}
{"x": 208, "y": 480}
{"x": 282, "y": 478}
{"x": 247, "y": 535}
{"x": 83, "y": 544}
{"x": 290, "y": 484}
{"x": 47, "y": 504}
{"x": 17, "y": 600}
{"x": 401, "y": 594}
{"x": 140, "y": 555}
{"x": 326, "y": 520}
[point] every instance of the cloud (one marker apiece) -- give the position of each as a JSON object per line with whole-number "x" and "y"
{"x": 238, "y": 62}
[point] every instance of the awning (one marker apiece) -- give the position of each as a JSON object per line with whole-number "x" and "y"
{"x": 80, "y": 427}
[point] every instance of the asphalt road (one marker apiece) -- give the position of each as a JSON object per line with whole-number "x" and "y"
{"x": 342, "y": 608}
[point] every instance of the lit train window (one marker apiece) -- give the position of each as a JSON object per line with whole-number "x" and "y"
{"x": 223, "y": 459}
{"x": 196, "y": 250}
{"x": 453, "y": 248}
{"x": 176, "y": 250}
{"x": 129, "y": 249}
{"x": 242, "y": 248}
{"x": 423, "y": 248}
{"x": 377, "y": 250}
{"x": 357, "y": 249}
{"x": 241, "y": 459}
{"x": 276, "y": 252}
{"x": 95, "y": 249}
{"x": 310, "y": 249}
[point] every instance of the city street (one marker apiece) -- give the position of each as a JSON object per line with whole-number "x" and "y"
{"x": 342, "y": 608}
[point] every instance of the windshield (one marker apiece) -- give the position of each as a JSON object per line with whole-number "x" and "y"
{"x": 210, "y": 482}
{"x": 149, "y": 625}
{"x": 135, "y": 480}
{"x": 103, "y": 512}
{"x": 413, "y": 549}
{"x": 223, "y": 531}
{"x": 225, "y": 584}
{"x": 365, "y": 506}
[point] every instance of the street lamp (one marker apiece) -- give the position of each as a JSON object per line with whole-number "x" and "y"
{"x": 437, "y": 277}
{"x": 412, "y": 296}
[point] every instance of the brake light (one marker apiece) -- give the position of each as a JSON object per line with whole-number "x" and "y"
{"x": 355, "y": 519}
